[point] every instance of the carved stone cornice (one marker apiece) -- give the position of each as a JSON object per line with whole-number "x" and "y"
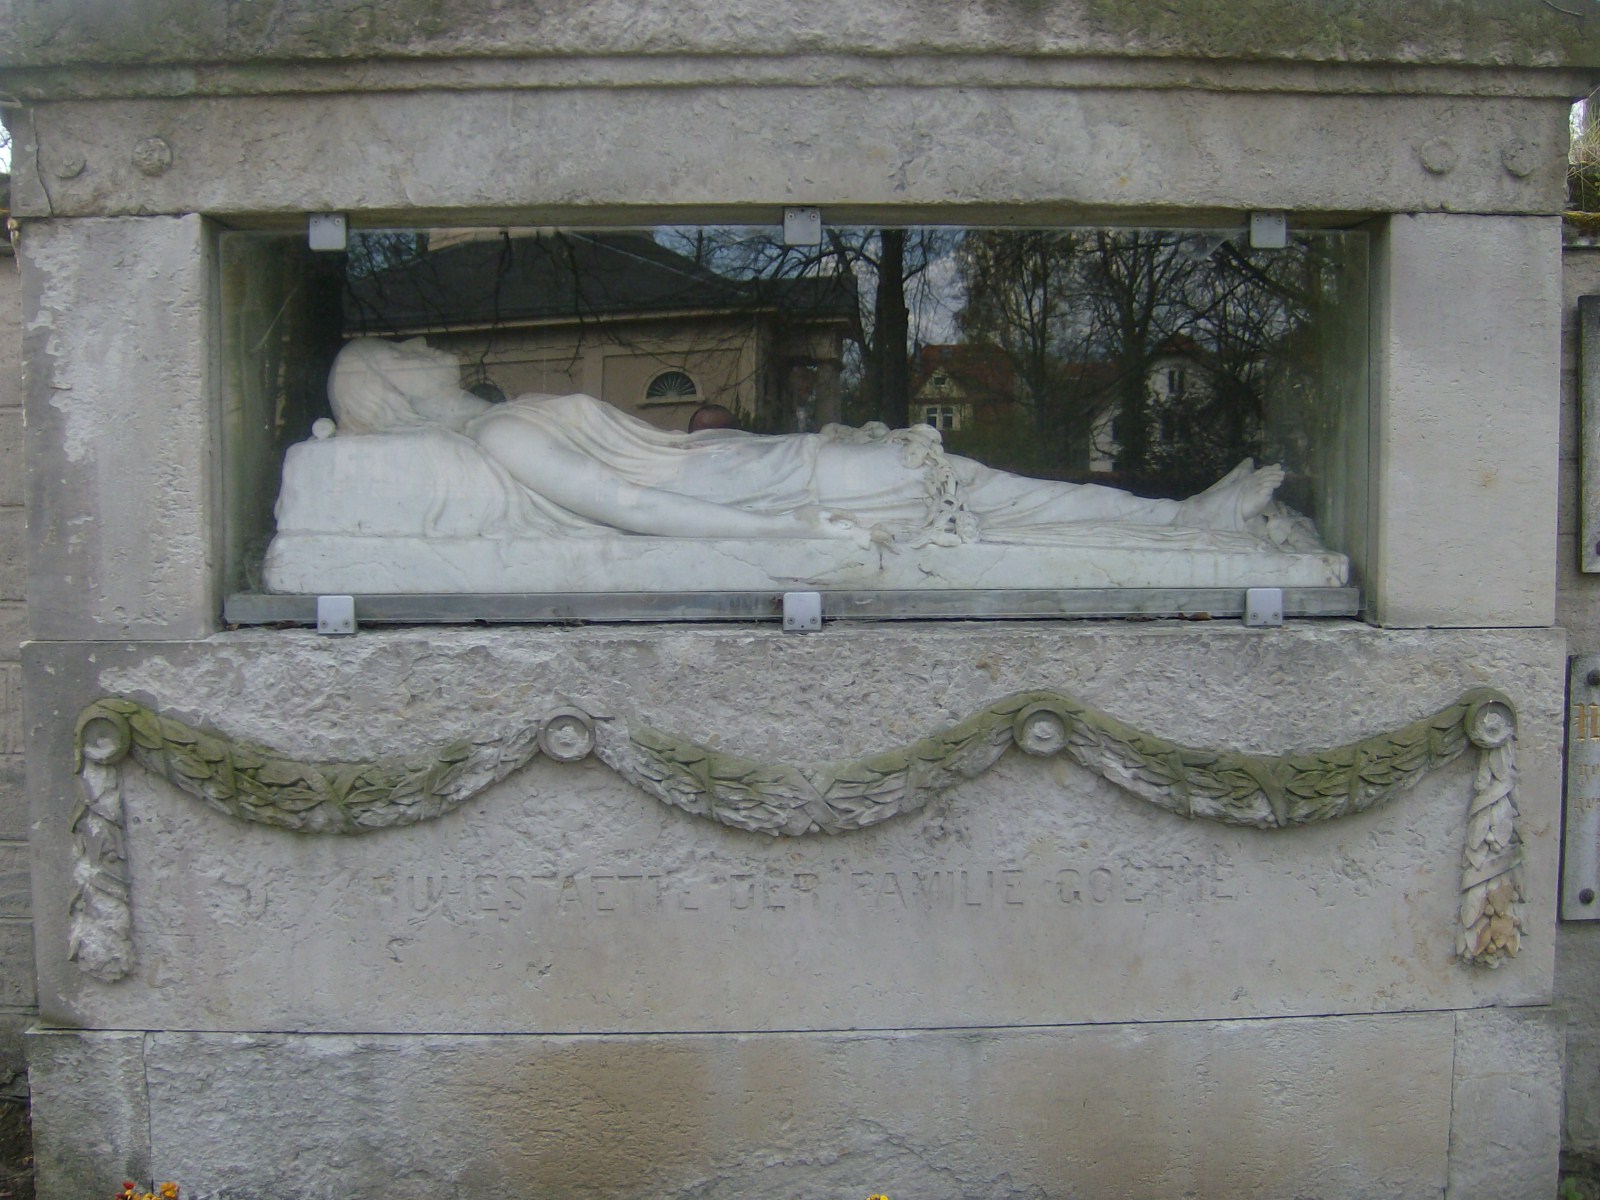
{"x": 1263, "y": 791}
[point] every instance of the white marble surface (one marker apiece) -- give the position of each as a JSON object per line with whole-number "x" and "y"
{"x": 424, "y": 488}
{"x": 329, "y": 563}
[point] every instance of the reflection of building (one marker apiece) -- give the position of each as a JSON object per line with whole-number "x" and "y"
{"x": 974, "y": 388}
{"x": 955, "y": 387}
{"x": 1177, "y": 384}
{"x": 617, "y": 315}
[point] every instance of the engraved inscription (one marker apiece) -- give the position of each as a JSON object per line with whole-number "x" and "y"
{"x": 459, "y": 896}
{"x": 1583, "y": 759}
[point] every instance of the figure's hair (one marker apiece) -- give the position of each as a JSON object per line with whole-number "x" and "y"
{"x": 712, "y": 416}
{"x": 366, "y": 388}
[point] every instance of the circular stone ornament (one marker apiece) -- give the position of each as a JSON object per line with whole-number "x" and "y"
{"x": 1439, "y": 155}
{"x": 567, "y": 735}
{"x": 1039, "y": 730}
{"x": 152, "y": 156}
{"x": 1520, "y": 159}
{"x": 105, "y": 739}
{"x": 1491, "y": 724}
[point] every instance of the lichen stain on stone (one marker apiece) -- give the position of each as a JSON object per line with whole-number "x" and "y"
{"x": 624, "y": 1119}
{"x": 348, "y": 29}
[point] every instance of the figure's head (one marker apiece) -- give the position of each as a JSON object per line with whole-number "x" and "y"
{"x": 374, "y": 383}
{"x": 712, "y": 416}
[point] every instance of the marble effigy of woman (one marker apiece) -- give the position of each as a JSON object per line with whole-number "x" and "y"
{"x": 573, "y": 466}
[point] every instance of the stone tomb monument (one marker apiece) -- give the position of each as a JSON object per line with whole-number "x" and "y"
{"x": 942, "y": 909}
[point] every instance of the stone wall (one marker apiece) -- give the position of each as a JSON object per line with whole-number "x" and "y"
{"x": 16, "y": 941}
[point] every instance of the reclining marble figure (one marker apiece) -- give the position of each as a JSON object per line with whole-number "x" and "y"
{"x": 423, "y": 487}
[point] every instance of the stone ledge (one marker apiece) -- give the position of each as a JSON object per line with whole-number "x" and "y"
{"x": 1490, "y": 32}
{"x": 907, "y": 148}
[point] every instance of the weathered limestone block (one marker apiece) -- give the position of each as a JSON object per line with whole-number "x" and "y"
{"x": 13, "y": 795}
{"x": 89, "y": 1091}
{"x": 572, "y": 153}
{"x": 1466, "y": 414}
{"x": 117, "y": 319}
{"x": 1508, "y": 1070}
{"x": 1036, "y": 892}
{"x": 1350, "y": 1107}
{"x": 11, "y": 472}
{"x": 13, "y": 552}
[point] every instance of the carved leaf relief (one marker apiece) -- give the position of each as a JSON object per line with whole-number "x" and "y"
{"x": 1269, "y": 792}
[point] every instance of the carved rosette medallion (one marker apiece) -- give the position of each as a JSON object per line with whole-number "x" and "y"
{"x": 567, "y": 735}
{"x": 1039, "y": 730}
{"x": 1263, "y": 791}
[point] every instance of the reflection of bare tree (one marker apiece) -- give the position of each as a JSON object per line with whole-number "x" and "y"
{"x": 1022, "y": 294}
{"x": 1158, "y": 347}
{"x": 1138, "y": 285}
{"x": 1166, "y": 356}
{"x": 887, "y": 269}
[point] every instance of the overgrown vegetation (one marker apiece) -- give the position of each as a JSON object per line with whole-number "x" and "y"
{"x": 1583, "y": 166}
{"x": 16, "y": 1151}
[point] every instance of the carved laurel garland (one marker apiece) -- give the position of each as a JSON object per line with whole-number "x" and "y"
{"x": 1263, "y": 791}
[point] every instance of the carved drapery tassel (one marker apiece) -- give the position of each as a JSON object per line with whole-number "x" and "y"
{"x": 1491, "y": 860}
{"x": 100, "y": 929}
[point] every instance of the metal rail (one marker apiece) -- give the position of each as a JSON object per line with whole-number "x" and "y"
{"x": 252, "y": 608}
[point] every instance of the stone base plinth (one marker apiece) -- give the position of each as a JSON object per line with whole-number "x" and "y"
{"x": 1398, "y": 1108}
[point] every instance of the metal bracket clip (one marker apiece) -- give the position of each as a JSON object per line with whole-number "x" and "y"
{"x": 326, "y": 231}
{"x": 802, "y": 612}
{"x": 336, "y": 615}
{"x": 1269, "y": 230}
{"x": 802, "y": 227}
{"x": 1263, "y": 607}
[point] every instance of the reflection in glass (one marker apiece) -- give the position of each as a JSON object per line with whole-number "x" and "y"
{"x": 1151, "y": 360}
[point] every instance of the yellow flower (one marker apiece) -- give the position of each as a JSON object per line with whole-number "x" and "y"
{"x": 169, "y": 1191}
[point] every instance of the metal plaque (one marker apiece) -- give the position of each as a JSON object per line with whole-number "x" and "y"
{"x": 1580, "y": 850}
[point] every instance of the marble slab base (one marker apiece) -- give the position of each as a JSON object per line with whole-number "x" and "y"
{"x": 337, "y": 563}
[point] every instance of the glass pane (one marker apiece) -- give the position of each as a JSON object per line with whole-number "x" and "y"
{"x": 1148, "y": 360}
